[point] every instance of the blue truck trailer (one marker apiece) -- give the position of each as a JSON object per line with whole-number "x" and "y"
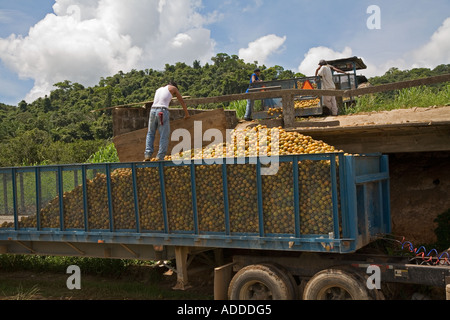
{"x": 295, "y": 233}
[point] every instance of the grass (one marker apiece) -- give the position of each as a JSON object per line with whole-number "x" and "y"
{"x": 52, "y": 286}
{"x": 401, "y": 99}
{"x": 241, "y": 105}
{"x": 20, "y": 294}
{"x": 103, "y": 267}
{"x": 104, "y": 155}
{"x": 422, "y": 97}
{"x": 31, "y": 277}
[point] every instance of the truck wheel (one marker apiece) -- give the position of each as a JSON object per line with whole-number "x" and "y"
{"x": 260, "y": 282}
{"x": 288, "y": 279}
{"x": 335, "y": 284}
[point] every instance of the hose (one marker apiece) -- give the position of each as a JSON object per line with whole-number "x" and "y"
{"x": 432, "y": 257}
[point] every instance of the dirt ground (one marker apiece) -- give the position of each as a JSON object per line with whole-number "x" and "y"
{"x": 400, "y": 116}
{"x": 137, "y": 283}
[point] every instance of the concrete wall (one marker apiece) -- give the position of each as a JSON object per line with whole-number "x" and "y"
{"x": 420, "y": 191}
{"x": 126, "y": 120}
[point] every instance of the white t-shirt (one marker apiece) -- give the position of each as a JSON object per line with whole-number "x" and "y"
{"x": 163, "y": 97}
{"x": 327, "y": 78}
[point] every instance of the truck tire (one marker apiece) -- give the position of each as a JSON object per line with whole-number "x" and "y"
{"x": 289, "y": 279}
{"x": 261, "y": 282}
{"x": 336, "y": 284}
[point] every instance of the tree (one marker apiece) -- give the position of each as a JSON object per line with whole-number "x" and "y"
{"x": 25, "y": 149}
{"x": 47, "y": 104}
{"x": 23, "y": 106}
{"x": 197, "y": 65}
{"x": 64, "y": 85}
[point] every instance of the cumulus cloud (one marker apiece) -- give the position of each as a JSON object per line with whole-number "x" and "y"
{"x": 84, "y": 40}
{"x": 314, "y": 55}
{"x": 260, "y": 49}
{"x": 436, "y": 51}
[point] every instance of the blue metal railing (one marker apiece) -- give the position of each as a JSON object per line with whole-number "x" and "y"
{"x": 342, "y": 175}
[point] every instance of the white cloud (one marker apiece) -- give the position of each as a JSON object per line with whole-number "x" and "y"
{"x": 260, "y": 49}
{"x": 84, "y": 40}
{"x": 374, "y": 70}
{"x": 255, "y": 4}
{"x": 314, "y": 55}
{"x": 436, "y": 51}
{"x": 7, "y": 16}
{"x": 180, "y": 40}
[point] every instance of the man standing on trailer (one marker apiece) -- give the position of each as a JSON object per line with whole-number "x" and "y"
{"x": 159, "y": 119}
{"x": 325, "y": 72}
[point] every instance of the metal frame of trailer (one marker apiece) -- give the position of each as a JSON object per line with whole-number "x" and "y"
{"x": 356, "y": 214}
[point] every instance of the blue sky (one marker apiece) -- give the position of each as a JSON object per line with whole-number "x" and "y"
{"x": 43, "y": 42}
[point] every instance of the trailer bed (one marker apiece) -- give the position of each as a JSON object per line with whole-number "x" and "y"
{"x": 326, "y": 203}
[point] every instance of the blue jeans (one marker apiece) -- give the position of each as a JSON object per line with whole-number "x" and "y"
{"x": 164, "y": 133}
{"x": 249, "y": 109}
